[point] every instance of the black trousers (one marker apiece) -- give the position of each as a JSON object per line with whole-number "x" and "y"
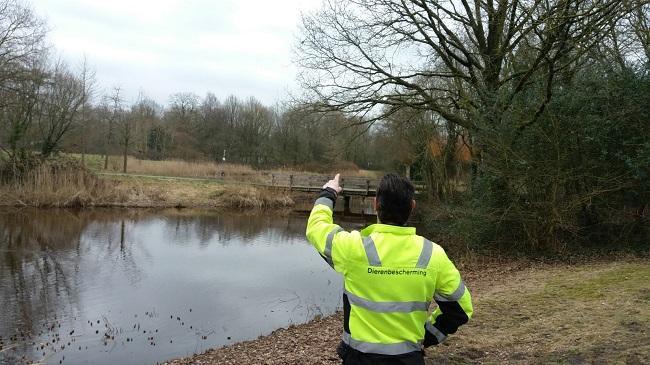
{"x": 351, "y": 356}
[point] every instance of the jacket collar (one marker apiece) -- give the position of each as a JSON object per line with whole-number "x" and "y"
{"x": 387, "y": 228}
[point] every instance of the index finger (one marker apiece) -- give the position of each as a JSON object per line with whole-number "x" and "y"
{"x": 336, "y": 178}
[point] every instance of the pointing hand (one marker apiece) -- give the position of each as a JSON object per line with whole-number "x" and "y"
{"x": 334, "y": 184}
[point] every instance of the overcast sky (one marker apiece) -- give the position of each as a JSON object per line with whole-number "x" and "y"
{"x": 168, "y": 46}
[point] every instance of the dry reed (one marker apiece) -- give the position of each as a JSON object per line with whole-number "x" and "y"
{"x": 72, "y": 186}
{"x": 179, "y": 168}
{"x": 246, "y": 197}
{"x": 46, "y": 186}
{"x": 228, "y": 171}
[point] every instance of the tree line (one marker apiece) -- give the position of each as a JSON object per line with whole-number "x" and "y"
{"x": 232, "y": 130}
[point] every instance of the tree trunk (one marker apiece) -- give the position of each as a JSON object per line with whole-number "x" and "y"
{"x": 126, "y": 150}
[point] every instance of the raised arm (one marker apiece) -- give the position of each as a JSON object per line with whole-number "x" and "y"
{"x": 321, "y": 230}
{"x": 454, "y": 303}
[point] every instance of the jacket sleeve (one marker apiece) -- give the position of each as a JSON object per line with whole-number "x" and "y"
{"x": 454, "y": 303}
{"x": 329, "y": 239}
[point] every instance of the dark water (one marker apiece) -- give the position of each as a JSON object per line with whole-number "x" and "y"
{"x": 139, "y": 287}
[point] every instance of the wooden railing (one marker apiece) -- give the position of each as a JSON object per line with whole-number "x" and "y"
{"x": 304, "y": 181}
{"x": 352, "y": 185}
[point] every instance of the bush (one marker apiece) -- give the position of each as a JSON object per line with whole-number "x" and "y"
{"x": 578, "y": 177}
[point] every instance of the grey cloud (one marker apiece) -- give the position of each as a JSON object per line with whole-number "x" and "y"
{"x": 166, "y": 46}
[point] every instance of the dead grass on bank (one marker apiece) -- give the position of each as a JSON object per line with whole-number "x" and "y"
{"x": 208, "y": 169}
{"x": 179, "y": 168}
{"x": 67, "y": 187}
{"x": 76, "y": 187}
{"x": 164, "y": 192}
{"x": 526, "y": 313}
{"x": 253, "y": 197}
{"x": 581, "y": 314}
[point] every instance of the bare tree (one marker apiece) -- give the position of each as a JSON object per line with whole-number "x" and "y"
{"x": 232, "y": 113}
{"x": 123, "y": 124}
{"x": 88, "y": 86}
{"x": 627, "y": 42}
{"x": 465, "y": 60}
{"x": 212, "y": 123}
{"x": 185, "y": 106}
{"x": 106, "y": 116}
{"x": 60, "y": 103}
{"x": 256, "y": 123}
{"x": 22, "y": 52}
{"x": 20, "y": 110}
{"x": 639, "y": 22}
{"x": 21, "y": 41}
{"x": 145, "y": 113}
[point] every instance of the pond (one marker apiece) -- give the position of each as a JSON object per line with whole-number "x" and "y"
{"x": 108, "y": 286}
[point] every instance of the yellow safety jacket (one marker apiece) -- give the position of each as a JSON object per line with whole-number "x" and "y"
{"x": 391, "y": 275}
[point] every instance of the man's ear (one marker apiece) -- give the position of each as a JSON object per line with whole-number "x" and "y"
{"x": 412, "y": 205}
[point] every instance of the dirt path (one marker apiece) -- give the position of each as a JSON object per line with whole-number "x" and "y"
{"x": 539, "y": 314}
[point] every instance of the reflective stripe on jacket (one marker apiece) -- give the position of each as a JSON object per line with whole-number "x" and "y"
{"x": 391, "y": 275}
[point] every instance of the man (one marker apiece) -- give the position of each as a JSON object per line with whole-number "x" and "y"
{"x": 390, "y": 275}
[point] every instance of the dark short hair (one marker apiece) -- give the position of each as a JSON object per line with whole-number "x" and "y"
{"x": 394, "y": 196}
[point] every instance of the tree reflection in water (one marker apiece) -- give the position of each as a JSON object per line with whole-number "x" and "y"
{"x": 73, "y": 268}
{"x": 232, "y": 227}
{"x": 40, "y": 253}
{"x": 39, "y": 256}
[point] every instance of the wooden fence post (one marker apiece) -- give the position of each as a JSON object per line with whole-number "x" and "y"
{"x": 367, "y": 187}
{"x": 346, "y": 204}
{"x": 272, "y": 179}
{"x": 290, "y": 182}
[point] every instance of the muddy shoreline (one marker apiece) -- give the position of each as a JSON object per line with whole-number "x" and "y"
{"x": 311, "y": 343}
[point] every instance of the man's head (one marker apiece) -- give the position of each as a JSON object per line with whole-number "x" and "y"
{"x": 394, "y": 201}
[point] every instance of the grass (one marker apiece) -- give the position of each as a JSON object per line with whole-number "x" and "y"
{"x": 206, "y": 169}
{"x": 595, "y": 313}
{"x": 246, "y": 197}
{"x": 195, "y": 193}
{"x": 77, "y": 187}
{"x": 168, "y": 183}
{"x": 67, "y": 187}
{"x": 166, "y": 167}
